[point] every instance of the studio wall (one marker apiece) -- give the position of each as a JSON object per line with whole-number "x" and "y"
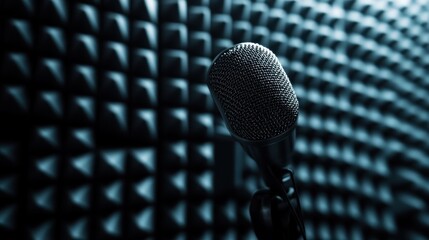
{"x": 108, "y": 130}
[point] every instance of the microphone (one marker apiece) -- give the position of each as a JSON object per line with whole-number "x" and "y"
{"x": 260, "y": 109}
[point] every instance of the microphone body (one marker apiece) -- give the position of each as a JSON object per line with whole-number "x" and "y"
{"x": 275, "y": 154}
{"x": 260, "y": 109}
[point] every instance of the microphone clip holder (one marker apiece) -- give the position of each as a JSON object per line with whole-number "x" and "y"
{"x": 276, "y": 212}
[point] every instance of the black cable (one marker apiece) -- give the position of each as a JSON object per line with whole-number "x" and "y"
{"x": 283, "y": 189}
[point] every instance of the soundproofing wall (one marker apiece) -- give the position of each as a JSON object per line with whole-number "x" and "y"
{"x": 108, "y": 130}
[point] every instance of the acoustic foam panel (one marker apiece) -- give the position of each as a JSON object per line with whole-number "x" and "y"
{"x": 108, "y": 130}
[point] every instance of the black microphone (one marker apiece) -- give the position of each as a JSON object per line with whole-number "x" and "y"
{"x": 260, "y": 110}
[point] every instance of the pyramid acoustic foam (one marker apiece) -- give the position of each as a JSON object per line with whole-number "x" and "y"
{"x": 108, "y": 130}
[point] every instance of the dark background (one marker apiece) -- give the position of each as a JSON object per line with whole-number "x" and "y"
{"x": 108, "y": 131}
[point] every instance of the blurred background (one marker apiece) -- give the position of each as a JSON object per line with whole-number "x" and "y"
{"x": 108, "y": 131}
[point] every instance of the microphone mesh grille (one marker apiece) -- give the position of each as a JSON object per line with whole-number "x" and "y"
{"x": 253, "y": 92}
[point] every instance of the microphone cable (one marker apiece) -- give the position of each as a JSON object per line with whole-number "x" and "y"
{"x": 284, "y": 191}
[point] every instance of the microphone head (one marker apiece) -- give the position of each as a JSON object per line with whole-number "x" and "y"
{"x": 253, "y": 93}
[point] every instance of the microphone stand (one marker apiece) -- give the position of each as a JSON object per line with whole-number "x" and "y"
{"x": 290, "y": 214}
{"x": 277, "y": 215}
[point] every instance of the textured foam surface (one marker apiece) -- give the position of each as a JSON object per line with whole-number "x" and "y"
{"x": 108, "y": 129}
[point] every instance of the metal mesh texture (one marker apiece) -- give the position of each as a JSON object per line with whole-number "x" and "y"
{"x": 253, "y": 92}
